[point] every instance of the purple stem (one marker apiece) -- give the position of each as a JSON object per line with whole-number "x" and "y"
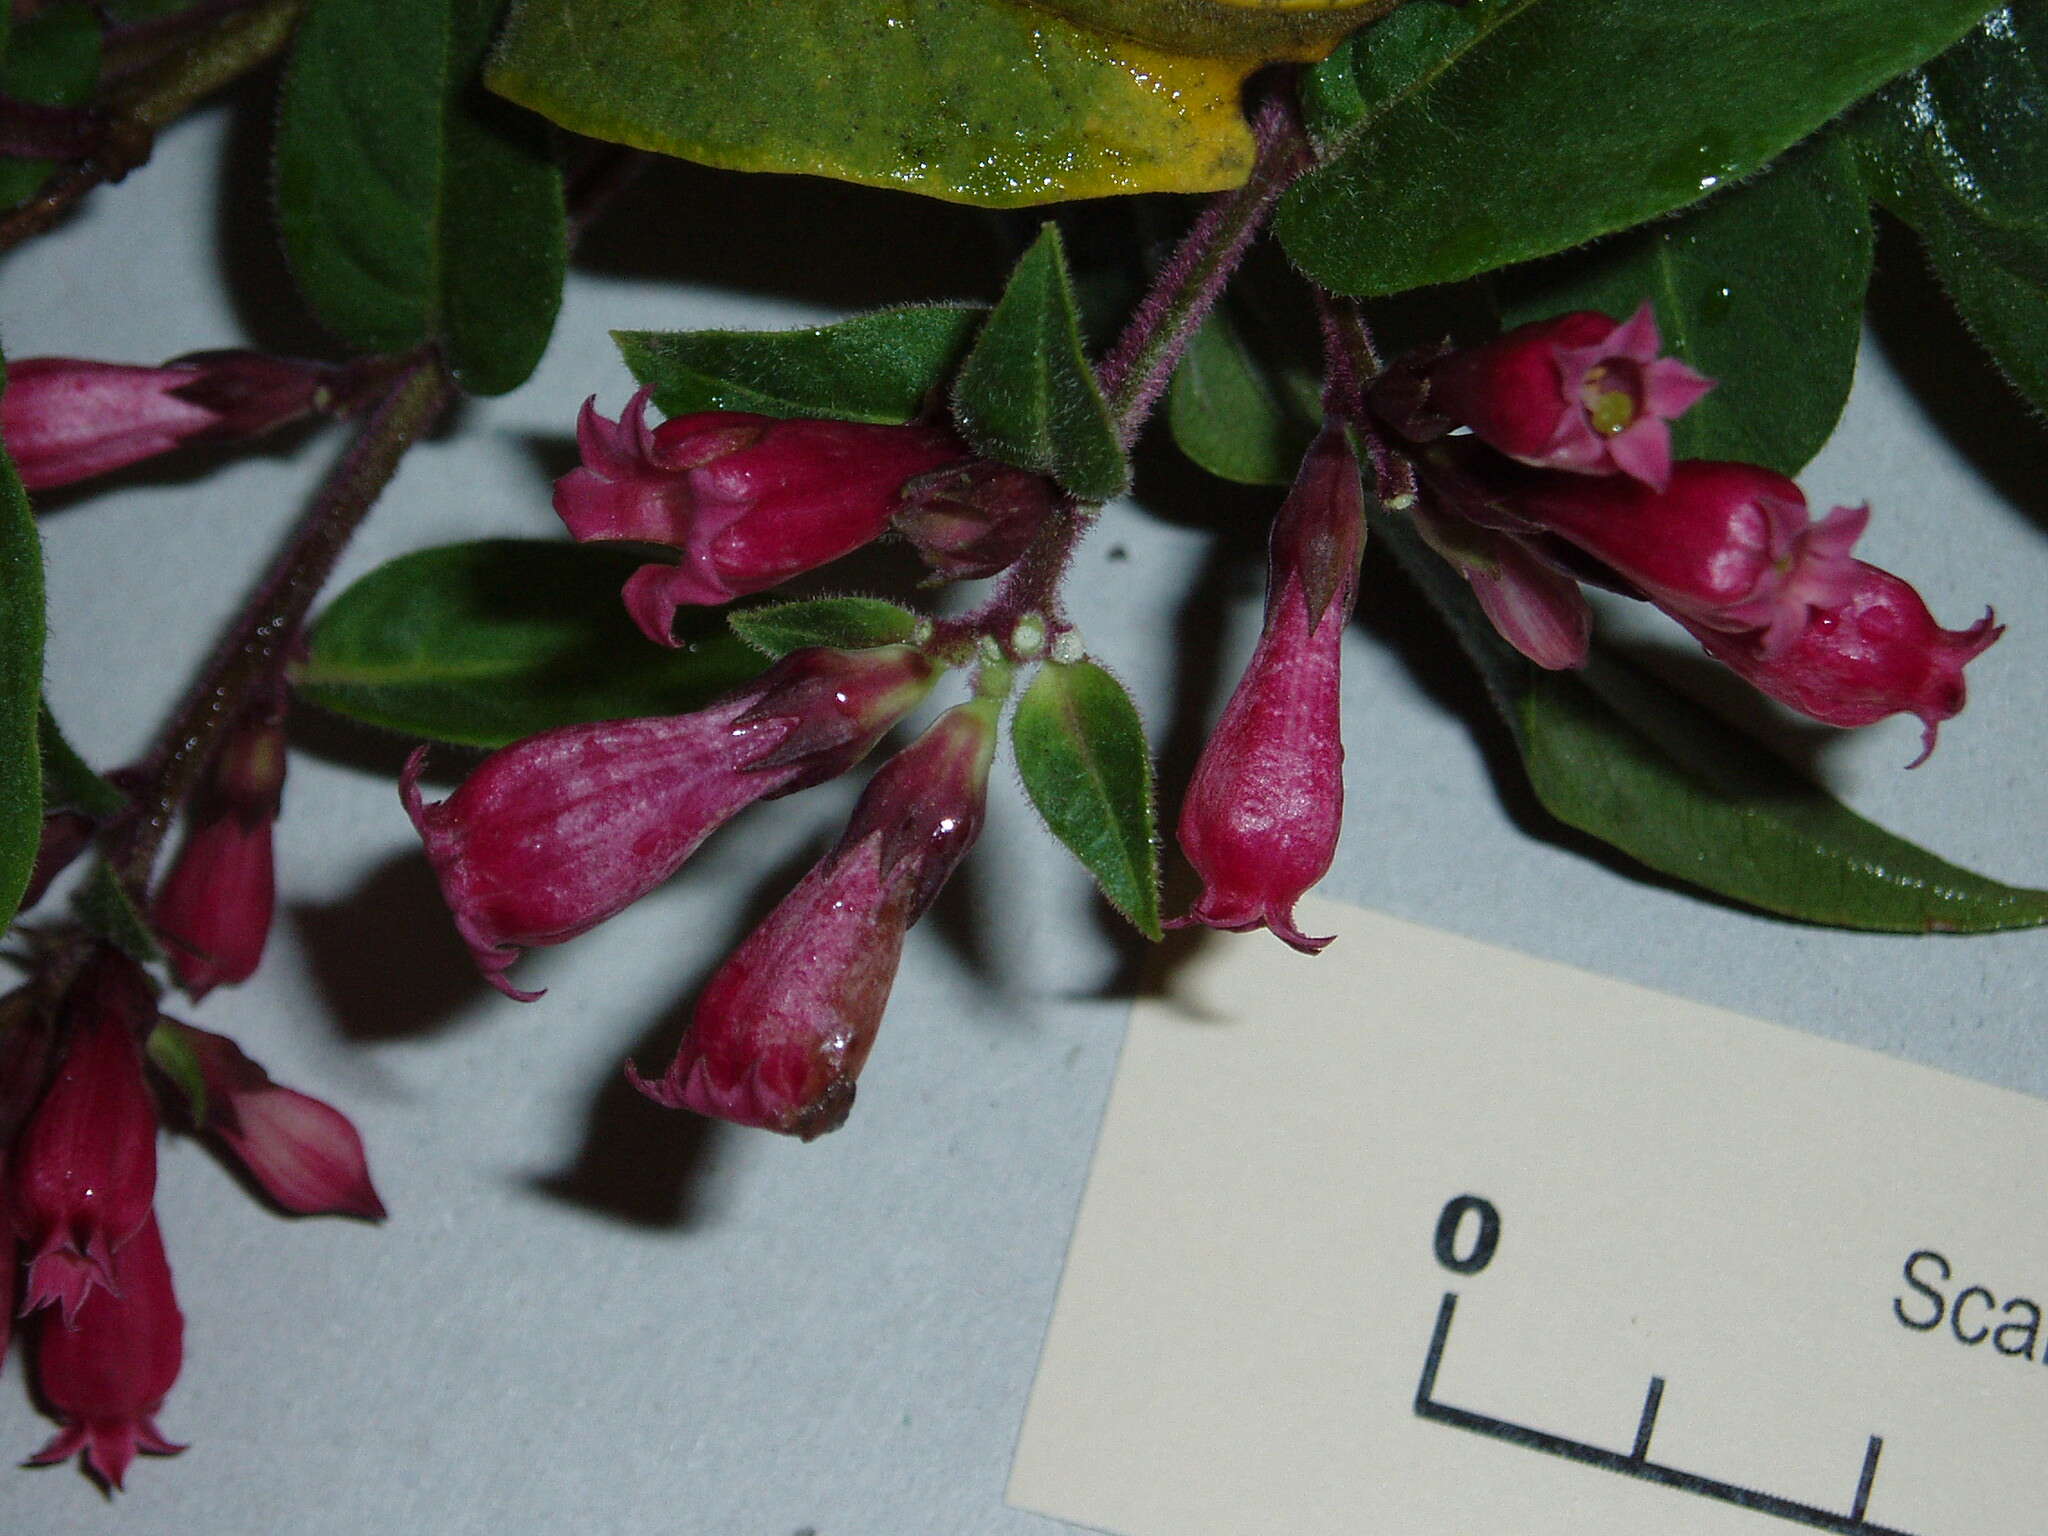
{"x": 252, "y": 653}
{"x": 1350, "y": 361}
{"x": 1135, "y": 372}
{"x": 1136, "y": 369}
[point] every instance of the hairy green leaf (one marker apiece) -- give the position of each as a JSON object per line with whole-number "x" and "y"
{"x": 995, "y": 102}
{"x": 414, "y": 206}
{"x": 1958, "y": 150}
{"x": 1778, "y": 331}
{"x": 1514, "y": 128}
{"x": 1026, "y": 394}
{"x": 881, "y": 367}
{"x": 52, "y": 60}
{"x": 108, "y": 912}
{"x": 845, "y": 623}
{"x": 2006, "y": 311}
{"x": 1978, "y": 116}
{"x": 1622, "y": 758}
{"x": 480, "y": 644}
{"x": 68, "y": 783}
{"x": 1235, "y": 417}
{"x": 1082, "y": 755}
{"x": 21, "y": 688}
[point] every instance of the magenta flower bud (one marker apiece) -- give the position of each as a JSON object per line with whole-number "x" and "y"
{"x": 749, "y": 501}
{"x": 1728, "y": 547}
{"x": 1875, "y": 653}
{"x": 554, "y": 834}
{"x": 1577, "y": 392}
{"x": 107, "y": 1372}
{"x": 1535, "y": 607}
{"x": 66, "y": 419}
{"x": 213, "y": 910}
{"x": 783, "y": 1029}
{"x": 973, "y": 520}
{"x": 84, "y": 1170}
{"x": 1263, "y": 811}
{"x": 305, "y": 1154}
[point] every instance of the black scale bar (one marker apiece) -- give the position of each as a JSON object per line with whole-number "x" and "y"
{"x": 1637, "y": 1463}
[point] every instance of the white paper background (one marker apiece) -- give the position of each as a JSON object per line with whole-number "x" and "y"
{"x": 724, "y": 1332}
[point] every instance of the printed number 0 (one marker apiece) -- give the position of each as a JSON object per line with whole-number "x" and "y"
{"x": 1452, "y": 1222}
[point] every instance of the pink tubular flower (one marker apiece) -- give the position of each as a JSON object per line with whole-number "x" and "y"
{"x": 1263, "y": 811}
{"x": 107, "y": 1372}
{"x": 1876, "y": 652}
{"x": 554, "y": 834}
{"x": 1535, "y": 607}
{"x": 84, "y": 1170}
{"x": 1727, "y": 547}
{"x": 214, "y": 909}
{"x": 305, "y": 1154}
{"x": 66, "y": 419}
{"x": 1577, "y": 392}
{"x": 783, "y": 1029}
{"x": 748, "y": 500}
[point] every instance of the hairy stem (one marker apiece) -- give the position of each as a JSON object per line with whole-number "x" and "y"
{"x": 1351, "y": 361}
{"x": 1135, "y": 372}
{"x": 145, "y": 102}
{"x": 252, "y": 654}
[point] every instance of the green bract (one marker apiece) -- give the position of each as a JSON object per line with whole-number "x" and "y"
{"x": 1026, "y": 394}
{"x": 1082, "y": 755}
{"x": 881, "y": 367}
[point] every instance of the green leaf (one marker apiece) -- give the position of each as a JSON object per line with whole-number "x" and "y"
{"x": 995, "y": 103}
{"x": 21, "y": 688}
{"x": 1978, "y": 116}
{"x": 1761, "y": 289}
{"x": 844, "y": 623}
{"x": 1624, "y": 759}
{"x": 1958, "y": 150}
{"x": 878, "y": 368}
{"x": 1081, "y": 752}
{"x": 1236, "y": 417}
{"x": 2006, "y": 311}
{"x": 481, "y": 644}
{"x": 108, "y": 912}
{"x": 1026, "y": 394}
{"x": 68, "y": 784}
{"x": 53, "y": 60}
{"x": 1514, "y": 128}
{"x": 1235, "y": 29}
{"x": 1615, "y": 753}
{"x": 414, "y": 206}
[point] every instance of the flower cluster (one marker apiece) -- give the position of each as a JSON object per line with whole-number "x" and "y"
{"x": 1729, "y": 550}
{"x": 552, "y": 835}
{"x": 80, "y": 1088}
{"x": 1562, "y": 474}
